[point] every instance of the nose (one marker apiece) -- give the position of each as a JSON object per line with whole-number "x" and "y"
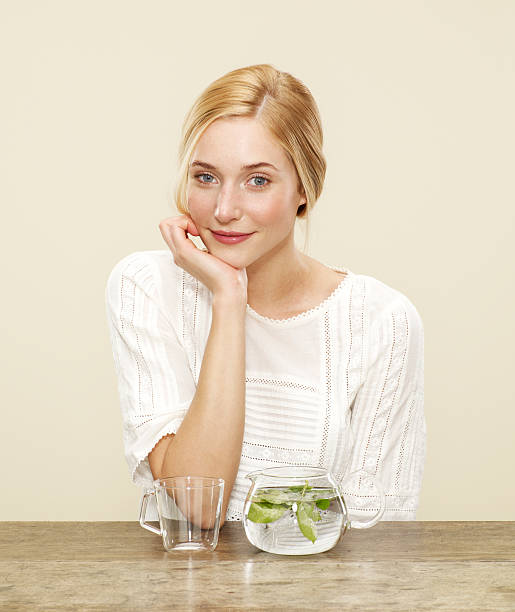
{"x": 228, "y": 205}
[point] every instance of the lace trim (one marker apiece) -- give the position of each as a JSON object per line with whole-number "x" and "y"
{"x": 190, "y": 306}
{"x": 137, "y": 476}
{"x": 234, "y": 517}
{"x": 126, "y": 316}
{"x": 282, "y": 457}
{"x": 307, "y": 314}
{"x": 389, "y": 391}
{"x": 279, "y": 384}
{"x": 328, "y": 395}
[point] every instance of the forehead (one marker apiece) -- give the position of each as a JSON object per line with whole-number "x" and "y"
{"x": 236, "y": 141}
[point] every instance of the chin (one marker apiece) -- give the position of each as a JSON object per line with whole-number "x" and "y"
{"x": 227, "y": 254}
{"x": 235, "y": 259}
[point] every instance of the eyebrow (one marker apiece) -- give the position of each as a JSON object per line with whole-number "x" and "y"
{"x": 246, "y": 167}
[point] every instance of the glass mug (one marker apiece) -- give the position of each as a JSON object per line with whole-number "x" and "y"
{"x": 189, "y": 509}
{"x": 301, "y": 510}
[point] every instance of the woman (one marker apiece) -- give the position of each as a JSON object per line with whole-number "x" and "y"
{"x": 248, "y": 353}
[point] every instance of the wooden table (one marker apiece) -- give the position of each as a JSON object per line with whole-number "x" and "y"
{"x": 417, "y": 565}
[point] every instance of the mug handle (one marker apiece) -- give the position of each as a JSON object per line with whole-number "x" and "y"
{"x": 143, "y": 512}
{"x": 380, "y": 494}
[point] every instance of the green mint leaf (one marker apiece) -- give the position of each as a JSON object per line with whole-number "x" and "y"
{"x": 266, "y": 512}
{"x": 305, "y": 522}
{"x": 312, "y": 512}
{"x": 323, "y": 504}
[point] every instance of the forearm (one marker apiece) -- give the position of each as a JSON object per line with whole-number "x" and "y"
{"x": 209, "y": 440}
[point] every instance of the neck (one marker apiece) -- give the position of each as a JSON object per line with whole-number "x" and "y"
{"x": 277, "y": 277}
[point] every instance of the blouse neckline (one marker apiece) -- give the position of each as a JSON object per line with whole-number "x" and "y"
{"x": 307, "y": 314}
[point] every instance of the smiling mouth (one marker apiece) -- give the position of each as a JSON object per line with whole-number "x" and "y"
{"x": 230, "y": 233}
{"x": 234, "y": 239}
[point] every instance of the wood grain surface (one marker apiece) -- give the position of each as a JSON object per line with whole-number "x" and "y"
{"x": 405, "y": 565}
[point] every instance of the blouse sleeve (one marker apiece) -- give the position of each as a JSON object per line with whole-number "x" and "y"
{"x": 387, "y": 416}
{"x": 155, "y": 384}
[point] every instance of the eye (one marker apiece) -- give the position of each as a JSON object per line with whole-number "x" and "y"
{"x": 204, "y": 174}
{"x": 260, "y": 185}
{"x": 260, "y": 177}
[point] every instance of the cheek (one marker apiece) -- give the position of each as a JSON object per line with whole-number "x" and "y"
{"x": 199, "y": 205}
{"x": 272, "y": 212}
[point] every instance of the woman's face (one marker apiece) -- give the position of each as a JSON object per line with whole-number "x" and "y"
{"x": 223, "y": 195}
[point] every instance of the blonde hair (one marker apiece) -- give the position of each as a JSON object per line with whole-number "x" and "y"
{"x": 282, "y": 103}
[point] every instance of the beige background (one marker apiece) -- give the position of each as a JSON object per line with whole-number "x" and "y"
{"x": 417, "y": 104}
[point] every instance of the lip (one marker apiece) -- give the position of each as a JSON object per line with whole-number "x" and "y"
{"x": 222, "y": 233}
{"x": 234, "y": 239}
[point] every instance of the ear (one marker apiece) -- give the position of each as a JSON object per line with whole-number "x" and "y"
{"x": 304, "y": 199}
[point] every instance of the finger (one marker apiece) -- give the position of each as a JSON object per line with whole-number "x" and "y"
{"x": 192, "y": 228}
{"x": 180, "y": 239}
{"x": 178, "y": 234}
{"x": 183, "y": 221}
{"x": 175, "y": 233}
{"x": 166, "y": 226}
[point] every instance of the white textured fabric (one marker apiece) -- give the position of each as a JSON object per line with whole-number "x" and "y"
{"x": 339, "y": 386}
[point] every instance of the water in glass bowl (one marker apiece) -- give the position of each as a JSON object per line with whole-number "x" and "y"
{"x": 296, "y": 520}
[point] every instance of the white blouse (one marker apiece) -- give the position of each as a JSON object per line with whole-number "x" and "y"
{"x": 339, "y": 386}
